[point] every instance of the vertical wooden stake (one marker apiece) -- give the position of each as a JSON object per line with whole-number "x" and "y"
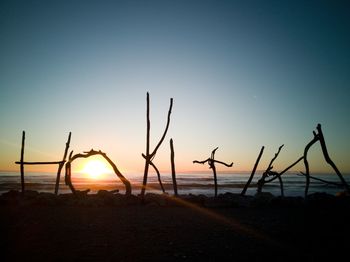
{"x": 147, "y": 160}
{"x": 22, "y": 160}
{"x": 253, "y": 172}
{"x": 60, "y": 166}
{"x": 173, "y": 172}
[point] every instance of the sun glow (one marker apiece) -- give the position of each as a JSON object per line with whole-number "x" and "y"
{"x": 96, "y": 169}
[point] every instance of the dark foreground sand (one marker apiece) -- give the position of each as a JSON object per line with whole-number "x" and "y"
{"x": 174, "y": 233}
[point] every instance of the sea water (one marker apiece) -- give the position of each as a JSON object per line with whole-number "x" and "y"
{"x": 188, "y": 183}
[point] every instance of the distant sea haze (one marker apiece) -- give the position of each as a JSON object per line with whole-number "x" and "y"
{"x": 188, "y": 183}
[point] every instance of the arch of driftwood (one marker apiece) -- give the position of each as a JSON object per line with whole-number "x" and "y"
{"x": 68, "y": 174}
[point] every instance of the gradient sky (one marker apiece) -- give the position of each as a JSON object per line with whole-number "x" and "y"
{"x": 243, "y": 74}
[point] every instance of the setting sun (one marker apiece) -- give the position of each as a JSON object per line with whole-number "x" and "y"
{"x": 96, "y": 168}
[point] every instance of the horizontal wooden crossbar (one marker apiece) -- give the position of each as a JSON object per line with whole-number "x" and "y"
{"x": 40, "y": 163}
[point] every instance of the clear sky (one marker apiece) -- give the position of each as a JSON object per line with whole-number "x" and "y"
{"x": 243, "y": 74}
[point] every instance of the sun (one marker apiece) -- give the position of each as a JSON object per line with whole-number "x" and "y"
{"x": 95, "y": 169}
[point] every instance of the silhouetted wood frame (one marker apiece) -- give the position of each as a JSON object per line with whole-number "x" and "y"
{"x": 319, "y": 137}
{"x": 90, "y": 153}
{"x": 277, "y": 175}
{"x": 59, "y": 163}
{"x": 150, "y": 156}
{"x": 211, "y": 162}
{"x": 268, "y": 172}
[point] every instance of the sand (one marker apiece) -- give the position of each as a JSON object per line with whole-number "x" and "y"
{"x": 152, "y": 232}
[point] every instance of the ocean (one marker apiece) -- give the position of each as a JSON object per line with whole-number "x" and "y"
{"x": 188, "y": 183}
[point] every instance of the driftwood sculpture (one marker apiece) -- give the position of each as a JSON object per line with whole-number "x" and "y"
{"x": 211, "y": 162}
{"x": 59, "y": 163}
{"x": 150, "y": 156}
{"x": 92, "y": 152}
{"x": 269, "y": 173}
{"x": 319, "y": 137}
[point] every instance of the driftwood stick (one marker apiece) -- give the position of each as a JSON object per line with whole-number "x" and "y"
{"x": 201, "y": 162}
{"x": 60, "y": 166}
{"x": 22, "y": 164}
{"x": 253, "y": 172}
{"x": 223, "y": 163}
{"x": 145, "y": 174}
{"x": 165, "y": 131}
{"x": 281, "y": 184}
{"x": 158, "y": 175}
{"x": 322, "y": 180}
{"x": 306, "y": 163}
{"x": 172, "y": 160}
{"x": 40, "y": 163}
{"x": 68, "y": 177}
{"x": 215, "y": 179}
{"x": 328, "y": 159}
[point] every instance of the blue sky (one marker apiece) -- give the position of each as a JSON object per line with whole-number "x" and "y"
{"x": 242, "y": 74}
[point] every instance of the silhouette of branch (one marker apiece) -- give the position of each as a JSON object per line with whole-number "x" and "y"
{"x": 22, "y": 159}
{"x": 93, "y": 153}
{"x": 60, "y": 166}
{"x": 41, "y": 163}
{"x": 306, "y": 163}
{"x": 158, "y": 175}
{"x": 328, "y": 159}
{"x": 172, "y": 160}
{"x": 253, "y": 172}
{"x": 321, "y": 180}
{"x": 165, "y": 131}
{"x": 201, "y": 162}
{"x": 219, "y": 162}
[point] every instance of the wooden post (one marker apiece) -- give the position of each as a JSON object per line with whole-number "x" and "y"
{"x": 253, "y": 172}
{"x": 173, "y": 172}
{"x": 22, "y": 160}
{"x": 145, "y": 173}
{"x": 60, "y": 166}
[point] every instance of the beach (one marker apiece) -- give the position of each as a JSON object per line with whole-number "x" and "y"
{"x": 274, "y": 230}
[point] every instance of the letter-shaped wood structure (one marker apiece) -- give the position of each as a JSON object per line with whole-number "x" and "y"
{"x": 319, "y": 137}
{"x": 268, "y": 172}
{"x": 269, "y": 175}
{"x": 150, "y": 156}
{"x": 211, "y": 162}
{"x": 59, "y": 163}
{"x": 92, "y": 152}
